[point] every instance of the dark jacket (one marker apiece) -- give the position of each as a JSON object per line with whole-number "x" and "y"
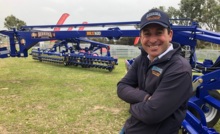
{"x": 169, "y": 83}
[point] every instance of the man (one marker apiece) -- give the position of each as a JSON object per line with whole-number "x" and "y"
{"x": 158, "y": 85}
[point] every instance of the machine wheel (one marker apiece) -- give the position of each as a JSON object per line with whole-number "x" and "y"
{"x": 65, "y": 63}
{"x": 182, "y": 131}
{"x": 110, "y": 69}
{"x": 213, "y": 114}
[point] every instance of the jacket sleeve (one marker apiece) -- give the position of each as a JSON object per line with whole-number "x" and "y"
{"x": 173, "y": 91}
{"x": 127, "y": 87}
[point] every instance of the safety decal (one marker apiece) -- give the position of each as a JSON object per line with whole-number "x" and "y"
{"x": 93, "y": 33}
{"x": 43, "y": 35}
{"x": 156, "y": 71}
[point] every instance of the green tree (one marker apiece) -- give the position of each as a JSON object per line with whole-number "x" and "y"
{"x": 191, "y": 9}
{"x": 13, "y": 22}
{"x": 126, "y": 41}
{"x": 205, "y": 12}
{"x": 211, "y": 15}
{"x": 175, "y": 15}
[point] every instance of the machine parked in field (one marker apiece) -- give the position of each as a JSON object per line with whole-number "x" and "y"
{"x": 204, "y": 105}
{"x": 69, "y": 52}
{"x": 67, "y": 49}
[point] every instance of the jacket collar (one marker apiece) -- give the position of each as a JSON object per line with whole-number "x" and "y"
{"x": 170, "y": 48}
{"x": 168, "y": 55}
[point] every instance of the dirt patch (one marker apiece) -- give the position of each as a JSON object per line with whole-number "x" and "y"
{"x": 3, "y": 130}
{"x": 112, "y": 110}
{"x": 4, "y": 88}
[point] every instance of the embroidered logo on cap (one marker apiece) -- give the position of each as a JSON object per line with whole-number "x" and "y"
{"x": 153, "y": 16}
{"x": 156, "y": 71}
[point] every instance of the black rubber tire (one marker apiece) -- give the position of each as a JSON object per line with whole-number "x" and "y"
{"x": 213, "y": 115}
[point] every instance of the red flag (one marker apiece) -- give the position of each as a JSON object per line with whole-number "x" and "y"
{"x": 61, "y": 21}
{"x": 80, "y": 28}
{"x": 70, "y": 29}
{"x": 136, "y": 40}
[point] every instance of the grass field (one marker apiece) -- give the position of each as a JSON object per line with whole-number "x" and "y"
{"x": 44, "y": 98}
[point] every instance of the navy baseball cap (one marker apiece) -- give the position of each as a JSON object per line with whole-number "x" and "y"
{"x": 155, "y": 16}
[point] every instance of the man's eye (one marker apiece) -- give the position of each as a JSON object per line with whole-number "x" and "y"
{"x": 160, "y": 33}
{"x": 147, "y": 34}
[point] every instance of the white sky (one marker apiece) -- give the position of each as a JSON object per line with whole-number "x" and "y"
{"x": 48, "y": 12}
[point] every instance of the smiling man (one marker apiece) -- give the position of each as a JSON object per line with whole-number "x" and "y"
{"x": 159, "y": 83}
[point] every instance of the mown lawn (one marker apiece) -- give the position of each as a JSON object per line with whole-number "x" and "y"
{"x": 45, "y": 98}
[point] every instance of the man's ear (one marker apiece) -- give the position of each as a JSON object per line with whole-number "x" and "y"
{"x": 171, "y": 35}
{"x": 141, "y": 38}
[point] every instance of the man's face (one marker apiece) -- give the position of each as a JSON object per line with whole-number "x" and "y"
{"x": 155, "y": 39}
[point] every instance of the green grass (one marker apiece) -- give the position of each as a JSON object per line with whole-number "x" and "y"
{"x": 46, "y": 98}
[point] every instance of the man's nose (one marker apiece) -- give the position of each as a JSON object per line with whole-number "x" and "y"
{"x": 153, "y": 39}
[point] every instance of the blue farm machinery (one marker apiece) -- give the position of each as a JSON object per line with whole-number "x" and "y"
{"x": 69, "y": 52}
{"x": 204, "y": 105}
{"x": 67, "y": 49}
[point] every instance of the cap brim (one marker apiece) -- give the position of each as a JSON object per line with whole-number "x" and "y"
{"x": 155, "y": 22}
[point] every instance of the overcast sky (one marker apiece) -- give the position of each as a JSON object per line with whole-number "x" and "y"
{"x": 48, "y": 12}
